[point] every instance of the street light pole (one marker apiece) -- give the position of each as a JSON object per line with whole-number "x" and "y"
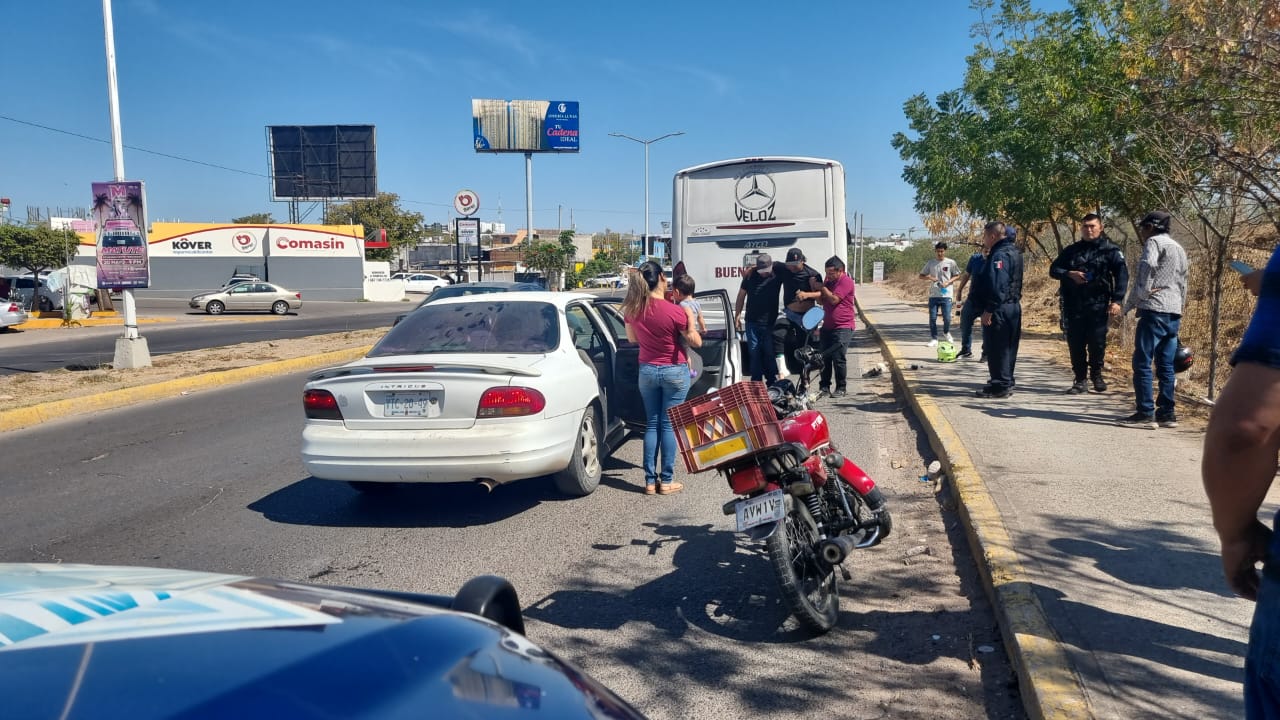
{"x": 131, "y": 349}
{"x": 646, "y": 144}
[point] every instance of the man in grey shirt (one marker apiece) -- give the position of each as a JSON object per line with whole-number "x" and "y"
{"x": 1159, "y": 292}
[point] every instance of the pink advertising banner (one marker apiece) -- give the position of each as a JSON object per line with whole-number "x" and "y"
{"x": 119, "y": 213}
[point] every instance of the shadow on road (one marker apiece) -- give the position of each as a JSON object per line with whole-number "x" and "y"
{"x": 336, "y": 504}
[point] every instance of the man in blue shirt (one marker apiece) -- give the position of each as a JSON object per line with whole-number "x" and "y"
{"x": 968, "y": 313}
{"x": 1238, "y": 467}
{"x": 997, "y": 292}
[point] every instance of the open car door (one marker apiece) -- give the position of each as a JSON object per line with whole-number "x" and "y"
{"x": 716, "y": 364}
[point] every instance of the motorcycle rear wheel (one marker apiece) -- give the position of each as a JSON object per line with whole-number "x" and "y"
{"x": 808, "y": 585}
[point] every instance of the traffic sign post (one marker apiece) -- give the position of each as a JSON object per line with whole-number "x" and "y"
{"x": 467, "y": 203}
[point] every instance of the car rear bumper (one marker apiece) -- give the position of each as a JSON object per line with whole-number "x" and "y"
{"x": 501, "y": 451}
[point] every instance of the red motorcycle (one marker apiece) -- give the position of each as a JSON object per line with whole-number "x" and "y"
{"x": 810, "y": 504}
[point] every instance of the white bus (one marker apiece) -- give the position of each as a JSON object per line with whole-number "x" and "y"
{"x": 727, "y": 212}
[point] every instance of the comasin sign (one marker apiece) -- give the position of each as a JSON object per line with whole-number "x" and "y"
{"x": 174, "y": 240}
{"x": 525, "y": 125}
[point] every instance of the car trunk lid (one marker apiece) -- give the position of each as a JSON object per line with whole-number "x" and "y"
{"x": 422, "y": 392}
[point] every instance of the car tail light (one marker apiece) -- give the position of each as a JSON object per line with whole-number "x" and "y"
{"x": 13, "y": 307}
{"x": 510, "y": 402}
{"x": 747, "y": 480}
{"x": 320, "y": 405}
{"x": 298, "y": 295}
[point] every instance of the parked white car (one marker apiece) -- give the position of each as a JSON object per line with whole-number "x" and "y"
{"x": 11, "y": 313}
{"x": 423, "y": 282}
{"x": 608, "y": 280}
{"x": 492, "y": 389}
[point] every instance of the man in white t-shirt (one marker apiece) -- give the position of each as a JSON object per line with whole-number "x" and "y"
{"x": 943, "y": 271}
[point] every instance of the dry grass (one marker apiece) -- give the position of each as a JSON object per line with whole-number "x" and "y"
{"x": 24, "y": 389}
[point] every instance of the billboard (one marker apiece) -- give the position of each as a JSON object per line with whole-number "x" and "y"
{"x": 120, "y": 218}
{"x": 524, "y": 125}
{"x": 322, "y": 162}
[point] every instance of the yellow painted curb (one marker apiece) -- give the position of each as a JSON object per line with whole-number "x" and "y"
{"x": 45, "y": 323}
{"x": 44, "y": 412}
{"x": 1050, "y": 687}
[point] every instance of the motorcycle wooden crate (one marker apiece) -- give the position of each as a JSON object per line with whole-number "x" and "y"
{"x": 724, "y": 425}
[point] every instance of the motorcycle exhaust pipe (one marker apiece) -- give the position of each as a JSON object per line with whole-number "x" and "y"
{"x": 835, "y": 550}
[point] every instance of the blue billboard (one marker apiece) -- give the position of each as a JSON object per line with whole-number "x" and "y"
{"x": 524, "y": 125}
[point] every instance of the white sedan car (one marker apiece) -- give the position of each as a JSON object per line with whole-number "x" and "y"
{"x": 608, "y": 280}
{"x": 423, "y": 282}
{"x": 490, "y": 389}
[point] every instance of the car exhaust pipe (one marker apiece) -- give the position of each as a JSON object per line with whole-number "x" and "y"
{"x": 835, "y": 550}
{"x": 488, "y": 484}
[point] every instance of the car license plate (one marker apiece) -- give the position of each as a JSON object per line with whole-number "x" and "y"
{"x": 761, "y": 509}
{"x": 410, "y": 404}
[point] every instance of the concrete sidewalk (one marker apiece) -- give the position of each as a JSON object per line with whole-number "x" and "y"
{"x": 1095, "y": 539}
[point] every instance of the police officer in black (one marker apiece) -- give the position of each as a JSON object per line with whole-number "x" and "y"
{"x": 1094, "y": 277}
{"x": 997, "y": 292}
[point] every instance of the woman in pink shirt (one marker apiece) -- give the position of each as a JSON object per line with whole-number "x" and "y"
{"x": 661, "y": 329}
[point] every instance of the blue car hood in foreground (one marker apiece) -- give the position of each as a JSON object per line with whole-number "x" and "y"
{"x": 82, "y": 641}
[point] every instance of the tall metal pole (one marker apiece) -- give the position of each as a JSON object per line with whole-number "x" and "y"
{"x": 646, "y": 143}
{"x": 133, "y": 351}
{"x": 645, "y": 245}
{"x": 528, "y": 194}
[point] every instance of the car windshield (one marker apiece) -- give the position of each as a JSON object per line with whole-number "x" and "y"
{"x": 460, "y": 290}
{"x": 482, "y": 326}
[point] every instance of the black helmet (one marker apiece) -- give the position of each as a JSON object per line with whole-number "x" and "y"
{"x": 1183, "y": 358}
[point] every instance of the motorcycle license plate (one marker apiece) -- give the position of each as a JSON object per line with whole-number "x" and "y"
{"x": 761, "y": 509}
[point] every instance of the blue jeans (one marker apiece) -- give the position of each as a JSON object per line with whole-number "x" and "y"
{"x": 1262, "y": 661}
{"x": 943, "y": 305}
{"x": 968, "y": 315}
{"x": 763, "y": 360}
{"x": 1155, "y": 340}
{"x": 661, "y": 387}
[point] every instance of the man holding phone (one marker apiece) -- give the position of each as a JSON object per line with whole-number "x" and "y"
{"x": 1238, "y": 467}
{"x": 1093, "y": 277}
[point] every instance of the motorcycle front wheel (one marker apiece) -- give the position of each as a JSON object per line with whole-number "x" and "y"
{"x": 808, "y": 585}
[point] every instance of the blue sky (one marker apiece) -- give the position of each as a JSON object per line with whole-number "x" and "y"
{"x": 202, "y": 80}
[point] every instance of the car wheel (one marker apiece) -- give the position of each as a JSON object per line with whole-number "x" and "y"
{"x": 215, "y": 307}
{"x": 583, "y": 474}
{"x": 45, "y": 304}
{"x": 372, "y": 488}
{"x": 280, "y": 307}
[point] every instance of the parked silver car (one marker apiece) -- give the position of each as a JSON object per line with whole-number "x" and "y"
{"x": 248, "y": 296}
{"x": 11, "y": 313}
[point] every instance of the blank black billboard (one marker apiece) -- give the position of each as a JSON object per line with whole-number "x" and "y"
{"x": 322, "y": 162}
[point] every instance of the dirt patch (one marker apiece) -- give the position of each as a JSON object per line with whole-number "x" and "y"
{"x": 24, "y": 389}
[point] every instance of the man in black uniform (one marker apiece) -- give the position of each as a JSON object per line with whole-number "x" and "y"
{"x": 1094, "y": 277}
{"x": 997, "y": 292}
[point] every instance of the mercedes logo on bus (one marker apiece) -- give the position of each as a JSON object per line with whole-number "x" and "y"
{"x": 754, "y": 197}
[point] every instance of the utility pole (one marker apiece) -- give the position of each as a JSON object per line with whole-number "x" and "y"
{"x": 131, "y": 348}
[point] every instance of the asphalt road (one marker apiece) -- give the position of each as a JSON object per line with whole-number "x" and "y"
{"x": 186, "y": 329}
{"x": 655, "y": 596}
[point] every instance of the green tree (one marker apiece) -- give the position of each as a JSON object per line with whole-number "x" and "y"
{"x": 1045, "y": 114}
{"x": 404, "y": 228}
{"x": 570, "y": 251}
{"x": 545, "y": 257}
{"x": 262, "y": 218}
{"x": 36, "y": 248}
